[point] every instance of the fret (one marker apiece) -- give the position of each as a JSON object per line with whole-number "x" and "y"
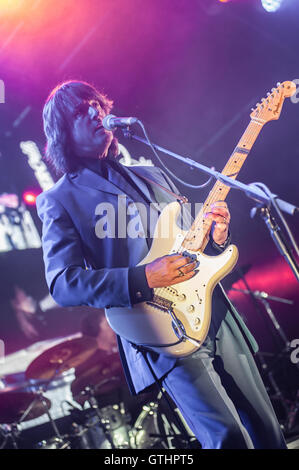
{"x": 197, "y": 237}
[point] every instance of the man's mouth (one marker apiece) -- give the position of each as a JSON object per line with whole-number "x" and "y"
{"x": 99, "y": 126}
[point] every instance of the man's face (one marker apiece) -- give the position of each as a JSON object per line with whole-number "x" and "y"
{"x": 89, "y": 138}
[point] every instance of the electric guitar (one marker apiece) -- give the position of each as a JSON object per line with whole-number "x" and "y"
{"x": 176, "y": 321}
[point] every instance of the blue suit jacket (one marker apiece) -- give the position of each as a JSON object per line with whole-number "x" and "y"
{"x": 82, "y": 269}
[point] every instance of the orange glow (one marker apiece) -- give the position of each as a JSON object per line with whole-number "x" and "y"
{"x": 11, "y": 7}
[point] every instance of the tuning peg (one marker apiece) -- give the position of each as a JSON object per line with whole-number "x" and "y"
{"x": 268, "y": 94}
{"x": 278, "y": 84}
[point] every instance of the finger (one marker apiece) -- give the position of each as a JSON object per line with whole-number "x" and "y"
{"x": 218, "y": 219}
{"x": 185, "y": 268}
{"x": 181, "y": 261}
{"x": 185, "y": 277}
{"x": 220, "y": 228}
{"x": 219, "y": 204}
{"x": 189, "y": 267}
{"x": 221, "y": 211}
{"x": 177, "y": 258}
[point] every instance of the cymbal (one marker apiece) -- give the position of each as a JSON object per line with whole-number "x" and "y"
{"x": 61, "y": 357}
{"x": 14, "y": 404}
{"x": 103, "y": 375}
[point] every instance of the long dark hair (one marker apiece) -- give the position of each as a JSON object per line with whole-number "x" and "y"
{"x": 57, "y": 113}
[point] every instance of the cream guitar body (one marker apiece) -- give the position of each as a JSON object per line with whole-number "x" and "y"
{"x": 177, "y": 320}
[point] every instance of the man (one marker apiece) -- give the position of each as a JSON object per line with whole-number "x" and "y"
{"x": 218, "y": 388}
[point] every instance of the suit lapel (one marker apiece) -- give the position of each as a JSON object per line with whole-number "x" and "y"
{"x": 139, "y": 182}
{"x": 117, "y": 185}
{"x": 89, "y": 178}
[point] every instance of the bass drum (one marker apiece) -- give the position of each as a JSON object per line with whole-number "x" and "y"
{"x": 157, "y": 428}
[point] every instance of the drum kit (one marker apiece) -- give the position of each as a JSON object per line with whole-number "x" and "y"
{"x": 103, "y": 414}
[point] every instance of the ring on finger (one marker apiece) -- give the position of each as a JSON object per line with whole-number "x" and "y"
{"x": 180, "y": 273}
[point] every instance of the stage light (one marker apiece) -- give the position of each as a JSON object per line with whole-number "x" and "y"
{"x": 271, "y": 5}
{"x": 29, "y": 197}
{"x": 17, "y": 228}
{"x": 35, "y": 161}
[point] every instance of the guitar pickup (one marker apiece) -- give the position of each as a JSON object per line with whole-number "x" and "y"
{"x": 160, "y": 302}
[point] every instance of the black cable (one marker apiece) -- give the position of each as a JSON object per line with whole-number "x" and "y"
{"x": 166, "y": 169}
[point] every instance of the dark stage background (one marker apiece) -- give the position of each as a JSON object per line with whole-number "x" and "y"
{"x": 191, "y": 71}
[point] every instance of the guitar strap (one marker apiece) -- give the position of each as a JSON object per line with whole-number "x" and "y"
{"x": 182, "y": 199}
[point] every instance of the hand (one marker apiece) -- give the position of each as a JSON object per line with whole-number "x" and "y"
{"x": 221, "y": 217}
{"x": 169, "y": 270}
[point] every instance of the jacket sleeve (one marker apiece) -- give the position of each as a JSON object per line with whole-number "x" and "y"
{"x": 69, "y": 280}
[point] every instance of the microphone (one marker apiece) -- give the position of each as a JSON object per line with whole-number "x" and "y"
{"x": 111, "y": 122}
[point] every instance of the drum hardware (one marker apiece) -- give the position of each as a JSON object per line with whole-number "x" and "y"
{"x": 9, "y": 433}
{"x": 103, "y": 373}
{"x": 99, "y": 383}
{"x": 16, "y": 407}
{"x": 54, "y": 443}
{"x": 156, "y": 428}
{"x": 113, "y": 420}
{"x": 79, "y": 435}
{"x": 55, "y": 361}
{"x": 104, "y": 422}
{"x": 185, "y": 438}
{"x": 140, "y": 437}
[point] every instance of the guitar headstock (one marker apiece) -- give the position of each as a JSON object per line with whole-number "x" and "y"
{"x": 270, "y": 107}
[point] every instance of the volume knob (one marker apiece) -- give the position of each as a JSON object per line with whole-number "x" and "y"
{"x": 190, "y": 308}
{"x": 181, "y": 297}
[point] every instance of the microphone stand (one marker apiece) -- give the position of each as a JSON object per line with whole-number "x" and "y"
{"x": 290, "y": 406}
{"x": 253, "y": 191}
{"x": 264, "y": 297}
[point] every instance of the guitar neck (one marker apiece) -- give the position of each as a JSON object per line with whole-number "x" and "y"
{"x": 197, "y": 237}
